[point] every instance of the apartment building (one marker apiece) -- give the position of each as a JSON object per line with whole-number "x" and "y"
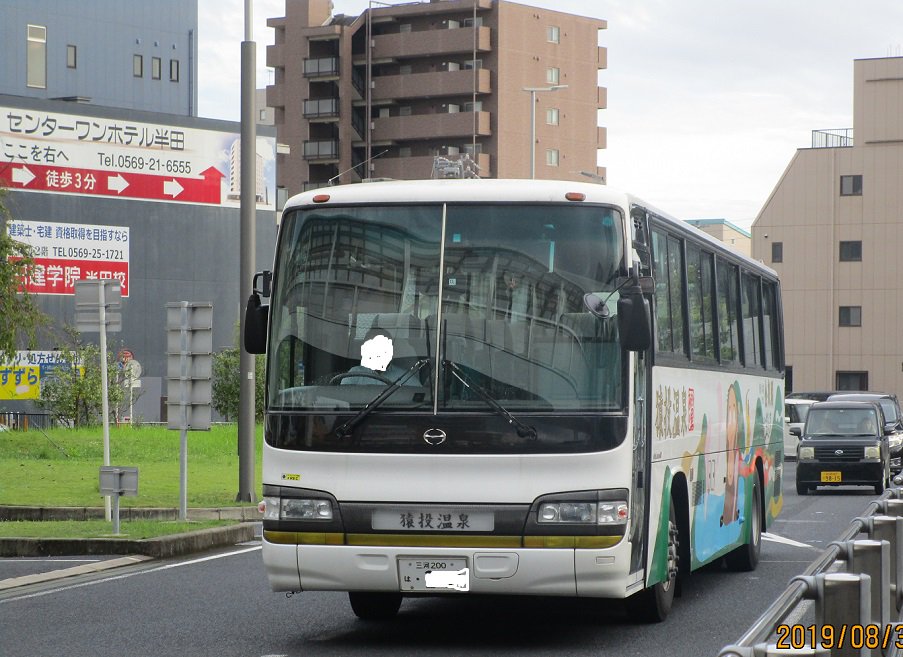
{"x": 381, "y": 94}
{"x": 833, "y": 229}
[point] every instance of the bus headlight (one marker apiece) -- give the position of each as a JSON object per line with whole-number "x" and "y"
{"x": 290, "y": 508}
{"x": 306, "y": 509}
{"x": 806, "y": 453}
{"x": 589, "y": 513}
{"x": 873, "y": 452}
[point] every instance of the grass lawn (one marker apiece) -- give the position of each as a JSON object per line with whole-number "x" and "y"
{"x": 60, "y": 467}
{"x": 136, "y": 529}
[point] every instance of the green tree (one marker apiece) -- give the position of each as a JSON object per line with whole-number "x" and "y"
{"x": 20, "y": 316}
{"x": 73, "y": 393}
{"x": 227, "y": 383}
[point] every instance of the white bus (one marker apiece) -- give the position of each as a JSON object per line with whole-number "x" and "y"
{"x": 511, "y": 387}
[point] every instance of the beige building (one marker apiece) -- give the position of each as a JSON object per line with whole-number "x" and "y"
{"x": 722, "y": 229}
{"x": 402, "y": 84}
{"x": 833, "y": 229}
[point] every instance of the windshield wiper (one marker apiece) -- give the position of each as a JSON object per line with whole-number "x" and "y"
{"x": 344, "y": 430}
{"x": 522, "y": 429}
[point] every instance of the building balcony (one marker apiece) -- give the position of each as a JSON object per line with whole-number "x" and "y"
{"x": 321, "y": 67}
{"x": 415, "y": 168}
{"x": 321, "y": 150}
{"x": 420, "y": 85}
{"x": 275, "y": 95}
{"x": 322, "y": 109}
{"x": 413, "y": 9}
{"x": 431, "y": 43}
{"x": 833, "y": 138}
{"x": 276, "y": 56}
{"x": 430, "y": 126}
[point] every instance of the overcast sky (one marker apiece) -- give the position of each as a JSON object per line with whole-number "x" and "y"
{"x": 707, "y": 99}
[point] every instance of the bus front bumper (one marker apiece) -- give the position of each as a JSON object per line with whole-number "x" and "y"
{"x": 599, "y": 572}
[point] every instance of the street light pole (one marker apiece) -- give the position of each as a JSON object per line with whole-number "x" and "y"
{"x": 533, "y": 91}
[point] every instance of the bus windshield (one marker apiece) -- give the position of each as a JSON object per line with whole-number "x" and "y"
{"x": 453, "y": 303}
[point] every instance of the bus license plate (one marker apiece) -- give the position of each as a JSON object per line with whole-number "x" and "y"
{"x": 831, "y": 477}
{"x": 435, "y": 574}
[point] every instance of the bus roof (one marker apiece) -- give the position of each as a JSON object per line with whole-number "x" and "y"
{"x": 461, "y": 190}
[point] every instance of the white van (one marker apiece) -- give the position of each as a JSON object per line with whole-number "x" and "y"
{"x": 795, "y": 411}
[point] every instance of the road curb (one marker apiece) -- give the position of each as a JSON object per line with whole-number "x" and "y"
{"x": 158, "y": 548}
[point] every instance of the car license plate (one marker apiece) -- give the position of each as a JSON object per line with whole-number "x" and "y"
{"x": 434, "y": 574}
{"x": 831, "y": 477}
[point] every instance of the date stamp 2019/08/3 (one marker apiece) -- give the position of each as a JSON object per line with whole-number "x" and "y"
{"x": 829, "y": 637}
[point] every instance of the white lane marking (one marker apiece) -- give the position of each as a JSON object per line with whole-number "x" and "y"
{"x": 774, "y": 538}
{"x": 191, "y": 562}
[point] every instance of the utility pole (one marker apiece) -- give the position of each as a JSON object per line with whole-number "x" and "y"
{"x": 246, "y": 428}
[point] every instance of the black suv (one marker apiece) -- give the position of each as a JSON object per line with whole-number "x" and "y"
{"x": 893, "y": 418}
{"x": 843, "y": 443}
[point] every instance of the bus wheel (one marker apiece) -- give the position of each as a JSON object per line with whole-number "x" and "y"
{"x": 374, "y": 606}
{"x": 653, "y": 604}
{"x": 746, "y": 557}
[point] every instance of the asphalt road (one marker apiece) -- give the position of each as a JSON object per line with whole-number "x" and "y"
{"x": 219, "y": 604}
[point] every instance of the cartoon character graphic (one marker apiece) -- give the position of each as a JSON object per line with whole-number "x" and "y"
{"x": 733, "y": 428}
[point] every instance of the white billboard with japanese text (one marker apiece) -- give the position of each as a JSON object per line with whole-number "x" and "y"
{"x": 66, "y": 253}
{"x": 75, "y": 154}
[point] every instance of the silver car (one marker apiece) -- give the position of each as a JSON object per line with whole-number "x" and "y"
{"x": 795, "y": 411}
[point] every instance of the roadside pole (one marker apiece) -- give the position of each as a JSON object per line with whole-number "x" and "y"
{"x": 92, "y": 299}
{"x": 189, "y": 370}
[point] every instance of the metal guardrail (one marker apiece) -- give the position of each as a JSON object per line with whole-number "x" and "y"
{"x": 21, "y": 421}
{"x": 857, "y": 589}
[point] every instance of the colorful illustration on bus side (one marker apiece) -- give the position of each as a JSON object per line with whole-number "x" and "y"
{"x": 721, "y": 505}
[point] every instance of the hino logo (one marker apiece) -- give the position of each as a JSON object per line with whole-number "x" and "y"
{"x": 434, "y": 437}
{"x": 838, "y": 452}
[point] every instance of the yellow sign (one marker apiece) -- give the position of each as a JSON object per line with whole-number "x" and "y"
{"x": 20, "y": 382}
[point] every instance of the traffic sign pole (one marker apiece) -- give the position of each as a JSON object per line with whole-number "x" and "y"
{"x": 92, "y": 298}
{"x": 104, "y": 390}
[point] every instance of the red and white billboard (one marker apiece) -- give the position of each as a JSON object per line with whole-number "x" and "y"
{"x": 74, "y": 154}
{"x": 66, "y": 253}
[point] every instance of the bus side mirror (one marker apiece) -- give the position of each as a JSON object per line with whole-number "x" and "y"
{"x": 634, "y": 317}
{"x": 255, "y": 325}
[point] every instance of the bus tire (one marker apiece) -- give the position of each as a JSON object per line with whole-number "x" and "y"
{"x": 653, "y": 604}
{"x": 368, "y": 605}
{"x": 746, "y": 557}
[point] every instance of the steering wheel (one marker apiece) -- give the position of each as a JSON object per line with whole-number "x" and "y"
{"x": 367, "y": 375}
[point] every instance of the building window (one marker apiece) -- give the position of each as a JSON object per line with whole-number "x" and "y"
{"x": 473, "y": 63}
{"x": 474, "y": 107}
{"x": 850, "y": 316}
{"x": 777, "y": 252}
{"x": 404, "y": 110}
{"x": 404, "y": 28}
{"x": 851, "y": 185}
{"x": 404, "y": 151}
{"x": 469, "y": 22}
{"x": 553, "y": 34}
{"x": 36, "y": 57}
{"x": 173, "y": 70}
{"x": 71, "y": 56}
{"x": 552, "y": 157}
{"x": 138, "y": 66}
{"x": 851, "y": 381}
{"x": 156, "y": 68}
{"x": 262, "y": 115}
{"x": 553, "y": 75}
{"x": 552, "y": 116}
{"x": 851, "y": 251}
